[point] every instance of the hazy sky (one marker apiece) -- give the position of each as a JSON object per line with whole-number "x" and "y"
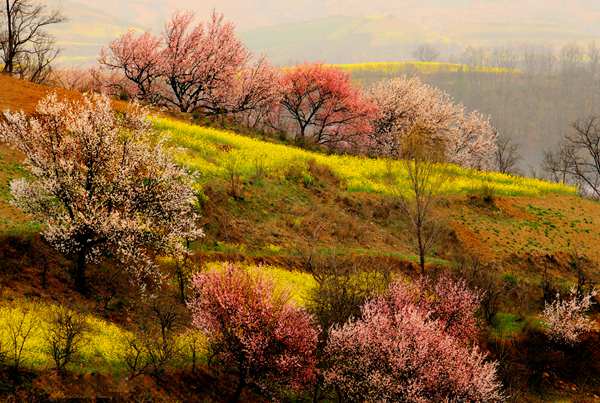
{"x": 344, "y": 30}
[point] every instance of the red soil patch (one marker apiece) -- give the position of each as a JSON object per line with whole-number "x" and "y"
{"x": 17, "y": 95}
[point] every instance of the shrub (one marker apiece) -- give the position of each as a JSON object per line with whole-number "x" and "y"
{"x": 135, "y": 356}
{"x": 342, "y": 287}
{"x": 155, "y": 346}
{"x": 565, "y": 319}
{"x": 481, "y": 277}
{"x": 396, "y": 351}
{"x": 160, "y": 341}
{"x": 234, "y": 176}
{"x": 255, "y": 330}
{"x": 21, "y": 325}
{"x": 66, "y": 331}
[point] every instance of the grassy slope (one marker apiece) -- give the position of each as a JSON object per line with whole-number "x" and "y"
{"x": 288, "y": 190}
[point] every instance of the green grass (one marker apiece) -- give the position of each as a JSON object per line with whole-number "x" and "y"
{"x": 507, "y": 325}
{"x": 215, "y": 154}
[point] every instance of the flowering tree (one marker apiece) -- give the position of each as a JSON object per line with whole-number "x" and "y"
{"x": 455, "y": 306}
{"x": 100, "y": 185}
{"x": 473, "y": 142}
{"x": 254, "y": 329}
{"x": 406, "y": 103}
{"x": 398, "y": 351}
{"x": 324, "y": 106}
{"x": 565, "y": 319}
{"x": 139, "y": 59}
{"x": 192, "y": 67}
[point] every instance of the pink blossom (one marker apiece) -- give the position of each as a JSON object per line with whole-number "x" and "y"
{"x": 254, "y": 329}
{"x": 398, "y": 351}
{"x": 324, "y": 107}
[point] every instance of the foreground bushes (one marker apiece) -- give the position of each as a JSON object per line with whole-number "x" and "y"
{"x": 255, "y": 330}
{"x": 414, "y": 343}
{"x": 408, "y": 346}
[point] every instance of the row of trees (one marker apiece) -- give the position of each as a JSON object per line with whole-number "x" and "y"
{"x": 205, "y": 69}
{"x": 569, "y": 59}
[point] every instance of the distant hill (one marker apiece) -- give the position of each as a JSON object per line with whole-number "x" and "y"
{"x": 342, "y": 32}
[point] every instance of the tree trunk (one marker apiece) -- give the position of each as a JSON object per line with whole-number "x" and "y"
{"x": 79, "y": 273}
{"x": 239, "y": 389}
{"x": 8, "y": 62}
{"x": 421, "y": 254}
{"x": 181, "y": 281}
{"x": 316, "y": 391}
{"x": 302, "y": 134}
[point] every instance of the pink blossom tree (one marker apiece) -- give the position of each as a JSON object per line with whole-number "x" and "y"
{"x": 407, "y": 103}
{"x": 399, "y": 351}
{"x": 324, "y": 106}
{"x": 455, "y": 306}
{"x": 192, "y": 67}
{"x": 254, "y": 329}
{"x": 101, "y": 185}
{"x": 565, "y": 318}
{"x": 139, "y": 59}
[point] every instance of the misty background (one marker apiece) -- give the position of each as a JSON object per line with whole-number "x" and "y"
{"x": 548, "y": 46}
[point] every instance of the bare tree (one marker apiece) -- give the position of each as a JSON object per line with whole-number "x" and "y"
{"x": 425, "y": 179}
{"x": 578, "y": 158}
{"x": 27, "y": 49}
{"x": 507, "y": 156}
{"x": 21, "y": 325}
{"x": 35, "y": 66}
{"x": 555, "y": 164}
{"x": 65, "y": 336}
{"x": 426, "y": 53}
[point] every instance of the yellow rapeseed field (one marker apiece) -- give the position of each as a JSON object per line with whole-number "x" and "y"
{"x": 215, "y": 154}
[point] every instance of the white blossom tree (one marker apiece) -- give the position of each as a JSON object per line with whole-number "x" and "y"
{"x": 101, "y": 184}
{"x": 467, "y": 139}
{"x": 565, "y": 318}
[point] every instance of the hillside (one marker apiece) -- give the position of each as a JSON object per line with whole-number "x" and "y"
{"x": 273, "y": 204}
